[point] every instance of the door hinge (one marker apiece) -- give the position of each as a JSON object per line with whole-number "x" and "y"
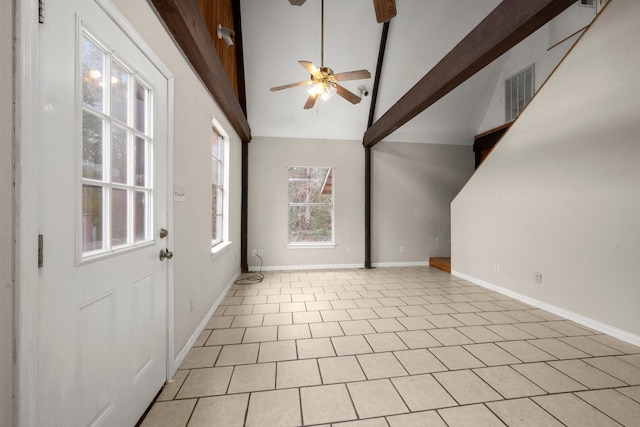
{"x": 41, "y": 11}
{"x": 40, "y": 250}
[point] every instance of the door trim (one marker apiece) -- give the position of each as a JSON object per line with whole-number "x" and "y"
{"x": 27, "y": 201}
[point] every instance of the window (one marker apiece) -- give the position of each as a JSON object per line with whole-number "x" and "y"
{"x": 218, "y": 185}
{"x": 311, "y": 206}
{"x": 519, "y": 90}
{"x": 117, "y": 144}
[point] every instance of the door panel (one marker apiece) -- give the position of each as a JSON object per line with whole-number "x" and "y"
{"x": 102, "y": 291}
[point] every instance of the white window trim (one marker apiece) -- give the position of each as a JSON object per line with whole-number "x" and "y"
{"x": 314, "y": 245}
{"x": 219, "y": 246}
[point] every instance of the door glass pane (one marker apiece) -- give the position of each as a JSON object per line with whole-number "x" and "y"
{"x": 119, "y": 93}
{"x": 92, "y": 226}
{"x": 92, "y": 146}
{"x": 119, "y": 155}
{"x": 141, "y": 162}
{"x": 118, "y": 217}
{"x": 93, "y": 70}
{"x": 140, "y": 108}
{"x": 140, "y": 216}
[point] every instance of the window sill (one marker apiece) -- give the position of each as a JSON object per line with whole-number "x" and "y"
{"x": 219, "y": 249}
{"x": 311, "y": 245}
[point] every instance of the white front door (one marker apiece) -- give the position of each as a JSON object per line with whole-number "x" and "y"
{"x": 103, "y": 144}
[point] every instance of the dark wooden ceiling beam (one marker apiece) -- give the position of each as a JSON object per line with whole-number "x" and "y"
{"x": 183, "y": 20}
{"x": 508, "y": 24}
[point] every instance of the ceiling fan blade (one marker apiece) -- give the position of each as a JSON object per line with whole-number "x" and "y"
{"x": 307, "y": 82}
{"x": 346, "y": 94}
{"x": 296, "y": 2}
{"x": 385, "y": 10}
{"x": 311, "y": 101}
{"x": 353, "y": 75}
{"x": 312, "y": 69}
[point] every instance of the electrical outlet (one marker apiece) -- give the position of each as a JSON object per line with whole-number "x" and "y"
{"x": 260, "y": 253}
{"x": 348, "y": 249}
{"x": 402, "y": 249}
{"x": 253, "y": 252}
{"x": 496, "y": 266}
{"x": 538, "y": 277}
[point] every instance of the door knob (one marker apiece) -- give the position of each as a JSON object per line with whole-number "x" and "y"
{"x": 165, "y": 253}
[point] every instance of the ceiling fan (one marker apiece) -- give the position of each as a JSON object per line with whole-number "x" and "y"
{"x": 385, "y": 9}
{"x": 324, "y": 80}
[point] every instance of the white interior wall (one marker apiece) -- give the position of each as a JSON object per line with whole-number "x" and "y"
{"x": 559, "y": 194}
{"x": 6, "y": 213}
{"x": 198, "y": 277}
{"x": 413, "y": 186}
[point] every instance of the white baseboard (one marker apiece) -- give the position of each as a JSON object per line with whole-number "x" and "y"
{"x": 578, "y": 318}
{"x": 305, "y": 267}
{"x": 401, "y": 264}
{"x": 191, "y": 341}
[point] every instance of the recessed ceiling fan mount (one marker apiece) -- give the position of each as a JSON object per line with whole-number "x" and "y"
{"x": 324, "y": 80}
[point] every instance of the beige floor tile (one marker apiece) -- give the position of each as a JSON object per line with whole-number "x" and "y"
{"x": 258, "y": 377}
{"x": 174, "y": 413}
{"x": 238, "y": 354}
{"x": 538, "y": 330}
{"x": 265, "y": 309}
{"x": 509, "y": 383}
{"x": 275, "y": 299}
{"x": 418, "y": 339}
{"x": 480, "y": 334}
{"x": 316, "y": 400}
{"x": 362, "y": 313}
{"x": 450, "y": 336}
{"x": 413, "y": 323}
{"x": 439, "y": 309}
{"x": 491, "y": 355}
{"x": 443, "y": 321}
{"x": 334, "y": 315}
{"x": 279, "y": 408}
{"x": 592, "y": 347}
{"x": 419, "y": 361}
{"x": 249, "y": 320}
{"x": 318, "y": 305}
{"x": 573, "y": 411}
{"x": 313, "y": 348}
{"x": 220, "y": 411}
{"x": 550, "y": 379}
{"x": 388, "y": 312}
{"x": 298, "y": 373}
{"x": 276, "y": 351}
{"x": 170, "y": 389}
{"x": 307, "y": 317}
{"x": 219, "y": 322}
{"x": 293, "y": 332}
{"x": 510, "y": 332}
{"x": 558, "y": 349}
{"x": 414, "y": 310}
{"x": 416, "y": 419}
{"x": 632, "y": 392}
{"x": 372, "y": 422}
{"x": 326, "y": 329}
{"x": 276, "y": 319}
{"x": 260, "y": 334}
{"x": 586, "y": 374}
{"x": 385, "y": 342}
{"x": 615, "y": 367}
{"x": 391, "y": 299}
{"x": 201, "y": 357}
{"x": 496, "y": 317}
{"x": 423, "y": 392}
{"x": 357, "y": 327}
{"x": 470, "y": 416}
{"x": 205, "y": 382}
{"x": 376, "y": 398}
{"x": 343, "y": 304}
{"x": 202, "y": 338}
{"x": 486, "y": 306}
{"x": 327, "y": 295}
{"x": 522, "y": 413}
{"x": 302, "y": 297}
{"x": 619, "y": 345}
{"x": 414, "y": 300}
{"x": 567, "y": 328}
{"x": 616, "y": 405}
{"x": 381, "y": 365}
{"x": 466, "y": 387}
{"x": 290, "y": 307}
{"x": 349, "y": 345}
{"x": 456, "y": 357}
{"x": 340, "y": 370}
{"x": 524, "y": 351}
{"x": 225, "y": 336}
{"x": 386, "y": 325}
{"x": 255, "y": 300}
{"x": 471, "y": 319}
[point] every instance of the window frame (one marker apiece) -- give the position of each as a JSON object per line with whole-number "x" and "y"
{"x": 313, "y": 245}
{"x": 222, "y": 241}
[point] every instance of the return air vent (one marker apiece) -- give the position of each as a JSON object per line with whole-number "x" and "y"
{"x": 519, "y": 90}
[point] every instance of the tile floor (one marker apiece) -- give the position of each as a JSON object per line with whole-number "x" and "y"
{"x": 395, "y": 347}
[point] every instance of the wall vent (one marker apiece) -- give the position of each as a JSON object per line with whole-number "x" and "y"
{"x": 519, "y": 90}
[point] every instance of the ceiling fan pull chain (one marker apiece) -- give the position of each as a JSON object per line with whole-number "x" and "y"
{"x": 322, "y": 34}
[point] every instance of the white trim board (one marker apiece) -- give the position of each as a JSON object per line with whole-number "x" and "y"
{"x": 177, "y": 361}
{"x": 578, "y": 318}
{"x": 254, "y": 268}
{"x": 401, "y": 264}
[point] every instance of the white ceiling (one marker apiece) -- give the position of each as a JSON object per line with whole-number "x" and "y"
{"x": 276, "y": 35}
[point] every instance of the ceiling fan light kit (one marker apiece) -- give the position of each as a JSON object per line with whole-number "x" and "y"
{"x": 323, "y": 80}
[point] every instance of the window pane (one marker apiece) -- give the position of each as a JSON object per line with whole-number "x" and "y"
{"x": 118, "y": 217}
{"x": 310, "y": 224}
{"x": 140, "y": 108}
{"x": 92, "y": 203}
{"x": 216, "y": 212}
{"x": 141, "y": 162}
{"x": 93, "y": 60}
{"x": 119, "y": 155}
{"x": 119, "y": 93}
{"x": 92, "y": 146}
{"x": 308, "y": 185}
{"x": 140, "y": 216}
